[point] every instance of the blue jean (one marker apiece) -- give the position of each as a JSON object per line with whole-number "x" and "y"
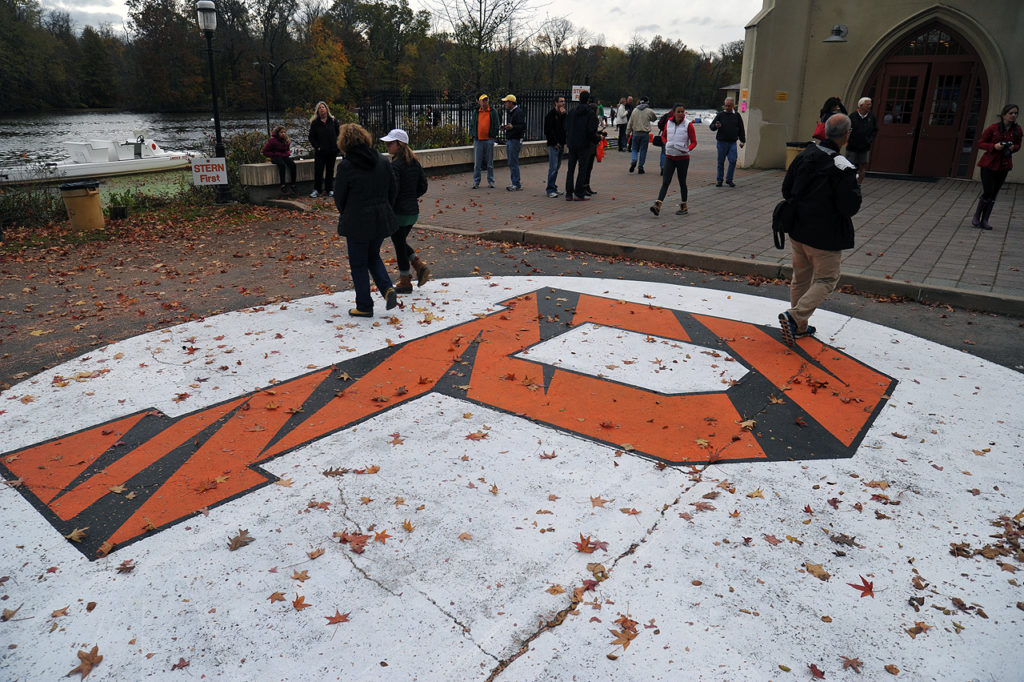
{"x": 364, "y": 261}
{"x": 726, "y": 150}
{"x": 483, "y": 155}
{"x": 512, "y": 149}
{"x": 639, "y": 146}
{"x": 554, "y": 163}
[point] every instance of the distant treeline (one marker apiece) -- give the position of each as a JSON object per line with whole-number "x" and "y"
{"x": 311, "y": 50}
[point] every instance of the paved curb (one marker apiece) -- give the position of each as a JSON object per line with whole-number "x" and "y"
{"x": 974, "y": 300}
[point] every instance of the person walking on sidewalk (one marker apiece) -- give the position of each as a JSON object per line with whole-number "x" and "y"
{"x": 514, "y": 129}
{"x": 554, "y": 132}
{"x": 620, "y": 121}
{"x": 485, "y": 132}
{"x": 729, "y": 126}
{"x": 1000, "y": 141}
{"x": 639, "y": 127}
{"x": 323, "y": 138}
{"x": 581, "y": 136}
{"x": 279, "y": 150}
{"x": 862, "y": 135}
{"x": 679, "y": 138}
{"x": 412, "y": 184}
{"x": 822, "y": 184}
{"x": 364, "y": 192}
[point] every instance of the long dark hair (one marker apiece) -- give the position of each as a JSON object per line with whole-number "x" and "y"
{"x": 826, "y": 108}
{"x": 1004, "y": 112}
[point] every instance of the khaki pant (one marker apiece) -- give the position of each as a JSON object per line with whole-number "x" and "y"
{"x": 815, "y": 276}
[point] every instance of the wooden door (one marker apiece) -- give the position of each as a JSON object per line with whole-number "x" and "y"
{"x": 942, "y": 118}
{"x": 901, "y": 95}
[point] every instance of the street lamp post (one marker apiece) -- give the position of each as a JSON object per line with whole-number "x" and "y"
{"x": 266, "y": 96}
{"x": 207, "y": 12}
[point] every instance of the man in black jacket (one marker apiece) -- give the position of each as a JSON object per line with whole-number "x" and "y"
{"x": 729, "y": 125}
{"x": 823, "y": 186}
{"x": 862, "y": 134}
{"x": 514, "y": 129}
{"x": 554, "y": 132}
{"x": 580, "y": 137}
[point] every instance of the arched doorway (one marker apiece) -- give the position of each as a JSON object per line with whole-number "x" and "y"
{"x": 929, "y": 95}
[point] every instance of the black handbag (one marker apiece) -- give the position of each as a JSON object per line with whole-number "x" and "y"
{"x": 783, "y": 219}
{"x": 657, "y": 141}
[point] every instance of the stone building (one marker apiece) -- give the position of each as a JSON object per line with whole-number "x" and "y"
{"x": 938, "y": 74}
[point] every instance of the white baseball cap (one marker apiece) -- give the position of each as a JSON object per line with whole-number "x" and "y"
{"x": 396, "y": 135}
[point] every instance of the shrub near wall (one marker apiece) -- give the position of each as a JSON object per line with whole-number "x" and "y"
{"x": 241, "y": 149}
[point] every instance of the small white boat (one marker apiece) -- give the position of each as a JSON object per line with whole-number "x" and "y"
{"x": 97, "y": 159}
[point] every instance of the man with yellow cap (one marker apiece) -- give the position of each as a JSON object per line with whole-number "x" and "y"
{"x": 515, "y": 128}
{"x": 485, "y": 132}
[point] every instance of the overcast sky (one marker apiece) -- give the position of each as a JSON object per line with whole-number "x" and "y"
{"x": 706, "y": 24}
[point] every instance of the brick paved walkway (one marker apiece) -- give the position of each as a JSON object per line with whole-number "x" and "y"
{"x": 913, "y": 238}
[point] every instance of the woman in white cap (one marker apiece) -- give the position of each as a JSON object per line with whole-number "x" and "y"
{"x": 412, "y": 184}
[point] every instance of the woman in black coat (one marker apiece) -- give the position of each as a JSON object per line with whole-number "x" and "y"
{"x": 412, "y": 184}
{"x": 323, "y": 137}
{"x": 364, "y": 191}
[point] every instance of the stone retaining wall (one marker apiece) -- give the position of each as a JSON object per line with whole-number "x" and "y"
{"x": 261, "y": 179}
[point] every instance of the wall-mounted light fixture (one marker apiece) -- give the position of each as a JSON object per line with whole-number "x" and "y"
{"x": 838, "y": 35}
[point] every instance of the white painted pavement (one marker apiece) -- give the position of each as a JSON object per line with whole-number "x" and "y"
{"x": 714, "y": 565}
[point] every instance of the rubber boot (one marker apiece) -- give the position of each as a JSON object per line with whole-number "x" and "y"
{"x": 976, "y": 221}
{"x": 656, "y": 209}
{"x": 404, "y": 285}
{"x": 682, "y": 209}
{"x": 421, "y": 270}
{"x": 986, "y": 212}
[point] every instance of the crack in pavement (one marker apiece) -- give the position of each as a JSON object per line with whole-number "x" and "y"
{"x": 466, "y": 630}
{"x": 695, "y": 477}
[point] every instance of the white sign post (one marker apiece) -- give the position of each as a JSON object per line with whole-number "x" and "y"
{"x": 577, "y": 89}
{"x": 209, "y": 171}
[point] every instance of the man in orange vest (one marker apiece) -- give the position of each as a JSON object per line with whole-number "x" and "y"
{"x": 485, "y": 132}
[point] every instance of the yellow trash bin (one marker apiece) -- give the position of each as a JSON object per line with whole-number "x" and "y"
{"x": 82, "y": 200}
{"x": 792, "y": 149}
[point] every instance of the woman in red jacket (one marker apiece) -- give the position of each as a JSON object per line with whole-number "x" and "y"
{"x": 1000, "y": 140}
{"x": 279, "y": 150}
{"x": 678, "y": 139}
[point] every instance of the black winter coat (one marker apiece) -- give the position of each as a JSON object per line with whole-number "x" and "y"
{"x": 323, "y": 135}
{"x": 554, "y": 128}
{"x": 823, "y": 184}
{"x": 863, "y": 132}
{"x": 364, "y": 191}
{"x": 412, "y": 184}
{"x": 581, "y": 128}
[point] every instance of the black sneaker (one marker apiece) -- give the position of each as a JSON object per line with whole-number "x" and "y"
{"x": 640, "y": 170}
{"x": 810, "y": 331}
{"x": 391, "y": 299}
{"x": 731, "y": 183}
{"x": 788, "y": 325}
{"x": 718, "y": 184}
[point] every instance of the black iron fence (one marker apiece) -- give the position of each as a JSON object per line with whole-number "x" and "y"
{"x": 383, "y": 110}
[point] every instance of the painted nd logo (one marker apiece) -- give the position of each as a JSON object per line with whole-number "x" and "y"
{"x": 815, "y": 402}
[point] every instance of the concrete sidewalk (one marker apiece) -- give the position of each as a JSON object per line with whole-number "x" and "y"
{"x": 914, "y": 238}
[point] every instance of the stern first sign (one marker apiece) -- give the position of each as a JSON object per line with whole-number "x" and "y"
{"x": 209, "y": 171}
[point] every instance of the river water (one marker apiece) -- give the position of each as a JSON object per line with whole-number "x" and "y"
{"x": 41, "y": 137}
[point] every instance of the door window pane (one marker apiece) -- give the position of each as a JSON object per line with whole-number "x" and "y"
{"x": 945, "y": 97}
{"x": 899, "y": 101}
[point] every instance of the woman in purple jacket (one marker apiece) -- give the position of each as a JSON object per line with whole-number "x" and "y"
{"x": 279, "y": 150}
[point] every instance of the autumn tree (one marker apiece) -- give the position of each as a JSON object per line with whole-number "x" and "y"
{"x": 476, "y": 27}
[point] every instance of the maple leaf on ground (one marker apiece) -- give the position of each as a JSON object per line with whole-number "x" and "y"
{"x": 600, "y": 544}
{"x": 277, "y": 596}
{"x": 126, "y": 566}
{"x": 854, "y": 663}
{"x": 817, "y": 571}
{"x": 315, "y": 553}
{"x": 241, "y": 540}
{"x": 86, "y": 661}
{"x": 816, "y": 672}
{"x": 407, "y": 526}
{"x": 625, "y": 622}
{"x": 476, "y": 435}
{"x": 772, "y": 540}
{"x": 77, "y": 535}
{"x": 703, "y": 506}
{"x": 338, "y": 617}
{"x": 630, "y": 512}
{"x": 756, "y": 493}
{"x": 584, "y": 545}
{"x": 182, "y": 663}
{"x": 599, "y": 501}
{"x": 381, "y": 537}
{"x": 300, "y": 603}
{"x": 465, "y": 536}
{"x": 60, "y": 612}
{"x": 300, "y": 575}
{"x": 9, "y": 613}
{"x": 623, "y": 638}
{"x": 544, "y": 455}
{"x": 866, "y": 588}
{"x": 555, "y": 589}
